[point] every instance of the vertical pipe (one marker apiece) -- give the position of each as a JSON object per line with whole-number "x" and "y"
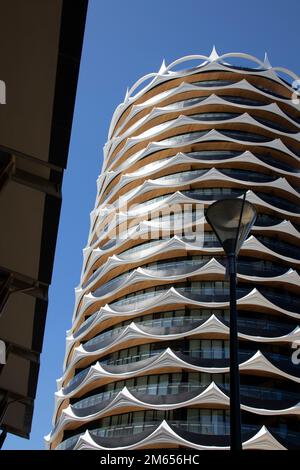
{"x": 235, "y": 402}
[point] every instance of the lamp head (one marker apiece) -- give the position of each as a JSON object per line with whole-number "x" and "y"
{"x": 231, "y": 220}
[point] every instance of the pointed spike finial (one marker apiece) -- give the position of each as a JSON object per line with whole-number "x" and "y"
{"x": 163, "y": 67}
{"x": 267, "y": 64}
{"x": 213, "y": 55}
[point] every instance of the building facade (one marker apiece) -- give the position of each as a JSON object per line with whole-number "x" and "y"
{"x": 147, "y": 357}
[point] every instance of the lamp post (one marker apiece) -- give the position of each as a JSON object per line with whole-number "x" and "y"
{"x": 232, "y": 220}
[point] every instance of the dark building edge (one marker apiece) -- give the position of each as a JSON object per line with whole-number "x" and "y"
{"x": 73, "y": 19}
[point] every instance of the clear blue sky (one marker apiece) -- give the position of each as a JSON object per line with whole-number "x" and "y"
{"x": 124, "y": 40}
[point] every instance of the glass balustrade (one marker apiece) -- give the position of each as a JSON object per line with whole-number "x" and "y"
{"x": 213, "y": 154}
{"x": 175, "y": 322}
{"x": 233, "y": 134}
{"x": 279, "y": 202}
{"x": 246, "y": 175}
{"x": 284, "y": 299}
{"x": 213, "y": 83}
{"x": 194, "y": 101}
{"x": 165, "y": 389}
{"x": 217, "y": 155}
{"x": 178, "y": 323}
{"x": 214, "y": 194}
{"x": 205, "y": 429}
{"x": 139, "y": 353}
{"x": 213, "y": 116}
{"x": 279, "y": 246}
{"x": 266, "y": 220}
{"x": 162, "y": 265}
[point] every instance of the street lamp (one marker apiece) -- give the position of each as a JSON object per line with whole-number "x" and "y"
{"x": 232, "y": 220}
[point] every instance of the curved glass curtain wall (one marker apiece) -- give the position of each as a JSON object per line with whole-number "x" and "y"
{"x": 188, "y": 264}
{"x": 211, "y": 194}
{"x": 174, "y": 384}
{"x": 213, "y": 291}
{"x": 193, "y": 351}
{"x": 197, "y": 422}
{"x": 203, "y": 195}
{"x": 181, "y": 318}
{"x": 142, "y": 305}
{"x": 222, "y": 116}
{"x": 263, "y": 156}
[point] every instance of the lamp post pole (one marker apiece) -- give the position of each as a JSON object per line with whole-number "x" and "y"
{"x": 235, "y": 402}
{"x": 232, "y": 220}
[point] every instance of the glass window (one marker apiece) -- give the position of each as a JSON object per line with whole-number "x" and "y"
{"x": 192, "y": 414}
{"x": 152, "y": 384}
{"x": 217, "y": 346}
{"x": 179, "y": 313}
{"x": 141, "y": 380}
{"x": 124, "y": 418}
{"x": 138, "y": 417}
{"x": 206, "y": 349}
{"x": 196, "y": 284}
{"x": 205, "y": 421}
{"x": 160, "y": 415}
{"x": 196, "y": 313}
{"x": 133, "y": 352}
{"x": 120, "y": 384}
{"x": 144, "y": 348}
{"x": 130, "y": 383}
{"x": 114, "y": 421}
{"x": 123, "y": 353}
{"x": 163, "y": 384}
{"x": 194, "y": 347}
{"x": 218, "y": 379}
{"x": 194, "y": 378}
{"x": 176, "y": 377}
{"x": 205, "y": 379}
{"x": 149, "y": 415}
{"x": 226, "y": 348}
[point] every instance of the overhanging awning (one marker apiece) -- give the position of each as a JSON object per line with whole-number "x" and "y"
{"x": 40, "y": 50}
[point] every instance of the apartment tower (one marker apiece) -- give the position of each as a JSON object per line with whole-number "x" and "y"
{"x": 147, "y": 356}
